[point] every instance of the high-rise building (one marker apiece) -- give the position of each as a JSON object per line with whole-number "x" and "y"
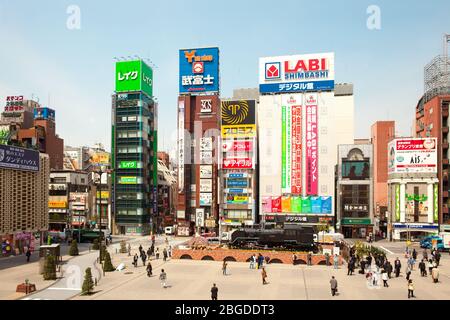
{"x": 198, "y": 132}
{"x": 134, "y": 150}
{"x": 24, "y": 178}
{"x": 301, "y": 107}
{"x": 382, "y": 132}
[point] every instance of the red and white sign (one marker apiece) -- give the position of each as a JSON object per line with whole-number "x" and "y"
{"x": 312, "y": 175}
{"x": 273, "y": 70}
{"x": 276, "y": 204}
{"x": 412, "y": 156}
{"x": 235, "y": 163}
{"x": 197, "y": 67}
{"x": 237, "y": 146}
{"x": 296, "y": 166}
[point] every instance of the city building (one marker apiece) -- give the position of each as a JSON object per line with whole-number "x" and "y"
{"x": 432, "y": 120}
{"x": 68, "y": 206}
{"x": 301, "y": 107}
{"x": 382, "y": 132}
{"x": 24, "y": 178}
{"x": 413, "y": 188}
{"x": 355, "y": 190}
{"x": 198, "y": 132}
{"x": 167, "y": 191}
{"x": 134, "y": 150}
{"x": 238, "y": 164}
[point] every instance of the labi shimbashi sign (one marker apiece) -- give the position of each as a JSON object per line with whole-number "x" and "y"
{"x": 19, "y": 158}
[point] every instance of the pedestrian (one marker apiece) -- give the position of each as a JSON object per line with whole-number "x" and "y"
{"x": 437, "y": 257}
{"x": 414, "y": 254}
{"x": 149, "y": 269}
{"x": 144, "y": 258}
{"x": 140, "y": 249}
{"x": 336, "y": 261}
{"x": 149, "y": 253}
{"x": 224, "y": 268}
{"x": 167, "y": 241}
{"x": 264, "y": 275}
{"x": 152, "y": 249}
{"x": 430, "y": 265}
{"x": 435, "y": 275}
{"x": 294, "y": 259}
{"x": 309, "y": 258}
{"x": 157, "y": 253}
{"x": 164, "y": 255}
{"x": 425, "y": 254}
{"x": 350, "y": 267}
{"x": 135, "y": 260}
{"x": 362, "y": 264}
{"x": 28, "y": 254}
{"x": 334, "y": 286}
{"x": 260, "y": 260}
{"x": 384, "y": 277}
{"x": 327, "y": 258}
{"x": 214, "y": 291}
{"x": 408, "y": 272}
{"x": 163, "y": 278}
{"x": 410, "y": 289}
{"x": 169, "y": 251}
{"x": 252, "y": 262}
{"x": 397, "y": 266}
{"x": 411, "y": 262}
{"x": 422, "y": 268}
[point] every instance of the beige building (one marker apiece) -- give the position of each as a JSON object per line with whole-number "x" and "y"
{"x": 23, "y": 205}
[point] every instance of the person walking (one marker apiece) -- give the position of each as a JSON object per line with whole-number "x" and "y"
{"x": 414, "y": 254}
{"x": 435, "y": 275}
{"x": 430, "y": 265}
{"x": 264, "y": 275}
{"x": 135, "y": 260}
{"x": 140, "y": 249}
{"x": 149, "y": 253}
{"x": 410, "y": 289}
{"x": 336, "y": 261}
{"x": 294, "y": 259}
{"x": 422, "y": 268}
{"x": 350, "y": 267}
{"x": 164, "y": 255}
{"x": 437, "y": 257}
{"x": 157, "y": 253}
{"x": 163, "y": 278}
{"x": 169, "y": 251}
{"x": 389, "y": 269}
{"x": 408, "y": 272}
{"x": 28, "y": 254}
{"x": 149, "y": 269}
{"x": 327, "y": 258}
{"x": 397, "y": 266}
{"x": 411, "y": 263}
{"x": 425, "y": 254}
{"x": 385, "y": 278}
{"x": 214, "y": 292}
{"x": 224, "y": 268}
{"x": 334, "y": 286}
{"x": 309, "y": 258}
{"x": 252, "y": 262}
{"x": 152, "y": 249}
{"x": 144, "y": 258}
{"x": 260, "y": 260}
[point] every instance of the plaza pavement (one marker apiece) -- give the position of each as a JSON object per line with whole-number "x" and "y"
{"x": 192, "y": 280}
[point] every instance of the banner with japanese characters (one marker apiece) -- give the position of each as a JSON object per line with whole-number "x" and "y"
{"x": 19, "y": 158}
{"x": 412, "y": 155}
{"x": 199, "y": 70}
{"x": 237, "y": 163}
{"x": 312, "y": 175}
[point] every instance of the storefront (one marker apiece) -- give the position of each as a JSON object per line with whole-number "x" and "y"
{"x": 355, "y": 228}
{"x": 414, "y": 231}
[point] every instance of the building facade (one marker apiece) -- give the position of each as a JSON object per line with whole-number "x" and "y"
{"x": 355, "y": 190}
{"x": 134, "y": 150}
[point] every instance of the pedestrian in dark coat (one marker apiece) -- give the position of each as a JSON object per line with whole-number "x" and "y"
{"x": 414, "y": 254}
{"x": 144, "y": 258}
{"x": 157, "y": 253}
{"x": 135, "y": 260}
{"x": 149, "y": 269}
{"x": 334, "y": 286}
{"x": 149, "y": 253}
{"x": 152, "y": 249}
{"x": 437, "y": 257}
{"x": 164, "y": 254}
{"x": 397, "y": 267}
{"x": 28, "y": 254}
{"x": 214, "y": 291}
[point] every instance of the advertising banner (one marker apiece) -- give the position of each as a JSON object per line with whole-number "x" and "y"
{"x": 128, "y": 180}
{"x": 296, "y": 73}
{"x": 397, "y": 202}
{"x": 267, "y": 204}
{"x": 276, "y": 204}
{"x": 237, "y": 145}
{"x": 134, "y": 76}
{"x": 78, "y": 198}
{"x": 128, "y": 165}
{"x": 237, "y": 183}
{"x": 296, "y": 166}
{"x": 283, "y": 149}
{"x": 306, "y": 205}
{"x": 206, "y": 157}
{"x": 44, "y": 113}
{"x": 435, "y": 204}
{"x": 237, "y": 163}
{"x": 311, "y": 144}
{"x": 234, "y": 199}
{"x": 99, "y": 157}
{"x": 205, "y": 185}
{"x": 199, "y": 70}
{"x": 205, "y": 171}
{"x": 286, "y": 204}
{"x": 413, "y": 156}
{"x": 180, "y": 146}
{"x": 316, "y": 204}
{"x": 19, "y": 158}
{"x": 4, "y": 134}
{"x": 296, "y": 204}
{"x": 200, "y": 217}
{"x": 57, "y": 204}
{"x": 238, "y": 118}
{"x": 327, "y": 205}
{"x": 205, "y": 199}
{"x": 206, "y": 144}
{"x": 239, "y": 131}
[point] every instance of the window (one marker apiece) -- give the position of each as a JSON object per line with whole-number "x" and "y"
{"x": 355, "y": 170}
{"x": 324, "y": 130}
{"x": 324, "y": 169}
{"x": 324, "y": 150}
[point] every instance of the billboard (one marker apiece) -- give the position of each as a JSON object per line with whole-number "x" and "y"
{"x": 129, "y": 165}
{"x": 312, "y": 173}
{"x": 237, "y": 145}
{"x": 99, "y": 157}
{"x": 205, "y": 185}
{"x": 297, "y": 73}
{"x": 205, "y": 199}
{"x": 413, "y": 155}
{"x": 128, "y": 180}
{"x": 205, "y": 171}
{"x": 237, "y": 163}
{"x": 291, "y": 144}
{"x": 200, "y": 217}
{"x": 44, "y": 113}
{"x": 199, "y": 70}
{"x": 134, "y": 75}
{"x": 4, "y": 134}
{"x": 19, "y": 158}
{"x": 181, "y": 146}
{"x": 238, "y": 118}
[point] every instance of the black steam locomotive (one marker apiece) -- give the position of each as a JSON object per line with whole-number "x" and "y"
{"x": 292, "y": 237}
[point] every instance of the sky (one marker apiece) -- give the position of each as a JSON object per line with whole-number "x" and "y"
{"x": 72, "y": 70}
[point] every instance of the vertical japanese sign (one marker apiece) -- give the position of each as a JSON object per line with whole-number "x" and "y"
{"x": 311, "y": 144}
{"x": 181, "y": 146}
{"x": 435, "y": 204}
{"x": 397, "y": 202}
{"x": 283, "y": 149}
{"x": 296, "y": 180}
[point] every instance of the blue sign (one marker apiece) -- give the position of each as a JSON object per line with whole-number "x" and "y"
{"x": 234, "y": 190}
{"x": 326, "y": 205}
{"x": 19, "y": 158}
{"x": 44, "y": 113}
{"x": 199, "y": 70}
{"x": 236, "y": 183}
{"x": 236, "y": 175}
{"x": 297, "y": 86}
{"x": 415, "y": 226}
{"x": 316, "y": 204}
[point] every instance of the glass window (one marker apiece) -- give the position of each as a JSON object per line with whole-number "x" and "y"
{"x": 355, "y": 170}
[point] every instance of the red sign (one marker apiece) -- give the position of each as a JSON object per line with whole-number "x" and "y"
{"x": 236, "y": 163}
{"x": 296, "y": 177}
{"x": 416, "y": 144}
{"x": 197, "y": 67}
{"x": 312, "y": 174}
{"x": 14, "y": 103}
{"x": 237, "y": 146}
{"x": 276, "y": 204}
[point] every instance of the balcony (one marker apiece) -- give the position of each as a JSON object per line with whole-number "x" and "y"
{"x": 444, "y": 209}
{"x": 445, "y": 161}
{"x": 445, "y": 112}
{"x": 444, "y": 144}
{"x": 445, "y": 174}
{"x": 419, "y": 115}
{"x": 444, "y": 129}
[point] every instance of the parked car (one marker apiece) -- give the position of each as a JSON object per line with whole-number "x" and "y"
{"x": 169, "y": 231}
{"x": 427, "y": 242}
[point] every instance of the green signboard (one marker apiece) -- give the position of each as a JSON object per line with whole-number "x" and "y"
{"x": 347, "y": 221}
{"x": 128, "y": 180}
{"x": 134, "y": 76}
{"x": 435, "y": 204}
{"x": 306, "y": 205}
{"x": 128, "y": 165}
{"x": 397, "y": 202}
{"x": 296, "y": 204}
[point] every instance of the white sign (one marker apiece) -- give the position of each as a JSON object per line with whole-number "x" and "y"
{"x": 206, "y": 199}
{"x": 206, "y": 106}
{"x": 180, "y": 146}
{"x": 206, "y": 157}
{"x": 205, "y": 185}
{"x": 412, "y": 155}
{"x": 180, "y": 214}
{"x": 200, "y": 217}
{"x": 205, "y": 171}
{"x": 297, "y": 73}
{"x": 206, "y": 144}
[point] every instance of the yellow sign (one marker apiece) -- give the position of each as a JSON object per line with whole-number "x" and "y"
{"x": 239, "y": 131}
{"x": 57, "y": 204}
{"x": 240, "y": 198}
{"x": 104, "y": 194}
{"x": 100, "y": 158}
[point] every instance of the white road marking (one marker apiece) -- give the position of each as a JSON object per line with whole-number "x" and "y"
{"x": 390, "y": 252}
{"x": 74, "y": 289}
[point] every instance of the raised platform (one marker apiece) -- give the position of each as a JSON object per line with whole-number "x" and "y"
{"x": 221, "y": 254}
{"x": 26, "y": 288}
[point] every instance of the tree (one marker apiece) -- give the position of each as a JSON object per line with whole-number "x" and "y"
{"x": 73, "y": 251}
{"x": 88, "y": 284}
{"x": 95, "y": 245}
{"x": 50, "y": 268}
{"x": 123, "y": 247}
{"x": 107, "y": 266}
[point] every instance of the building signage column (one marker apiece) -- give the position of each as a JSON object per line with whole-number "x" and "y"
{"x": 402, "y": 202}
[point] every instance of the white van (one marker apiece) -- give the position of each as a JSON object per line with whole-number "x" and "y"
{"x": 169, "y": 231}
